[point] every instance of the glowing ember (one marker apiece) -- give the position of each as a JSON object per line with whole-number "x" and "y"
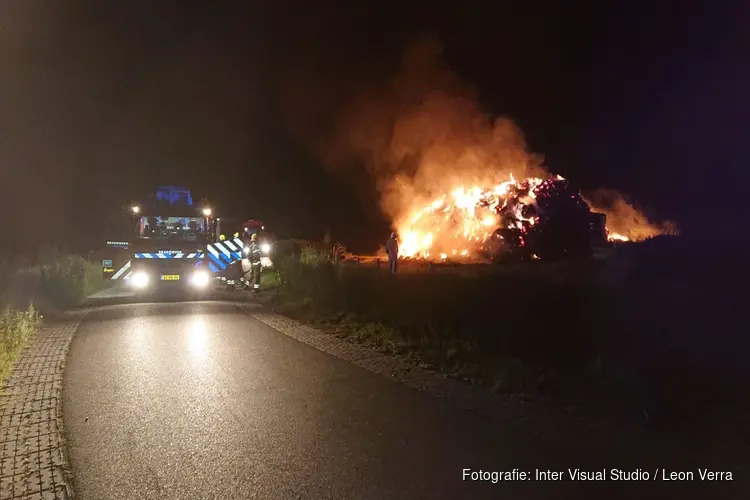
{"x": 461, "y": 224}
{"x": 466, "y": 218}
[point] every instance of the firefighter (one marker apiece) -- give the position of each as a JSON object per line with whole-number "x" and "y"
{"x": 254, "y": 256}
{"x": 391, "y": 248}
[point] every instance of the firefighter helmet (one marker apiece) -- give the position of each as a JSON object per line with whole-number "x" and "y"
{"x": 254, "y": 237}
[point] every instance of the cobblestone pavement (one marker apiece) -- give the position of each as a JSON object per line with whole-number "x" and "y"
{"x": 32, "y": 451}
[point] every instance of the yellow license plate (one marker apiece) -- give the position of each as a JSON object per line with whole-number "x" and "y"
{"x": 170, "y": 277}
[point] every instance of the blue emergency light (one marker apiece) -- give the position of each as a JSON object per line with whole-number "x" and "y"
{"x": 174, "y": 194}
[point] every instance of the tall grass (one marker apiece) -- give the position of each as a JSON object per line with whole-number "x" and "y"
{"x": 16, "y": 329}
{"x": 650, "y": 331}
{"x": 63, "y": 279}
{"x": 517, "y": 332}
{"x": 67, "y": 279}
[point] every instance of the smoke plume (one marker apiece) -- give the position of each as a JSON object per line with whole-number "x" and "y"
{"x": 416, "y": 135}
{"x": 623, "y": 218}
{"x": 419, "y": 135}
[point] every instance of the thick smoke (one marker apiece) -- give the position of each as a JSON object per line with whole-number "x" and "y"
{"x": 422, "y": 134}
{"x": 419, "y": 134}
{"x": 623, "y": 218}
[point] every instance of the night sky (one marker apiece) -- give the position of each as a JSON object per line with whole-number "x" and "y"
{"x": 102, "y": 101}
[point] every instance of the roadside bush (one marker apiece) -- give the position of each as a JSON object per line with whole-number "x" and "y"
{"x": 314, "y": 255}
{"x": 655, "y": 329}
{"x": 67, "y": 279}
{"x": 652, "y": 332}
{"x": 16, "y": 329}
{"x": 311, "y": 276}
{"x": 517, "y": 331}
{"x": 282, "y": 249}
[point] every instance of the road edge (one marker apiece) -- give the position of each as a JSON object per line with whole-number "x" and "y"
{"x": 503, "y": 410}
{"x": 33, "y": 452}
{"x": 547, "y": 424}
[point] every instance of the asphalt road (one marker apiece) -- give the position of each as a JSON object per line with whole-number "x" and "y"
{"x": 200, "y": 400}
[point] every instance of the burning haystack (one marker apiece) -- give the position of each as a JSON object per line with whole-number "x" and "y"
{"x": 455, "y": 181}
{"x": 533, "y": 218}
{"x": 549, "y": 221}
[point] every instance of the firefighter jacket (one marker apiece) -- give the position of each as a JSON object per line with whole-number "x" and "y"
{"x": 254, "y": 254}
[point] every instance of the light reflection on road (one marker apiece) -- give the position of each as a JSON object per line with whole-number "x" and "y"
{"x": 197, "y": 338}
{"x": 138, "y": 336}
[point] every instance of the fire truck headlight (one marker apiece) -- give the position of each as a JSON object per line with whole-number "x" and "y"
{"x": 265, "y": 248}
{"x": 139, "y": 279}
{"x": 200, "y": 279}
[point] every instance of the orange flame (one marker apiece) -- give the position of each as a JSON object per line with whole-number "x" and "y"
{"x": 461, "y": 223}
{"x": 439, "y": 163}
{"x": 617, "y": 237}
{"x": 624, "y": 221}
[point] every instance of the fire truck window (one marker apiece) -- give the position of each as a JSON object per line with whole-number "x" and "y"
{"x": 181, "y": 228}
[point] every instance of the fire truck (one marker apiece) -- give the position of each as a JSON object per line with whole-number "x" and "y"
{"x": 174, "y": 243}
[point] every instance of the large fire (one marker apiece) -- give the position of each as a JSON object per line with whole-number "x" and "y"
{"x": 460, "y": 224}
{"x": 441, "y": 166}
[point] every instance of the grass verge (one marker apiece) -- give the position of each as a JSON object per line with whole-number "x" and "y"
{"x": 16, "y": 329}
{"x": 557, "y": 333}
{"x": 58, "y": 281}
{"x": 518, "y": 333}
{"x": 67, "y": 279}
